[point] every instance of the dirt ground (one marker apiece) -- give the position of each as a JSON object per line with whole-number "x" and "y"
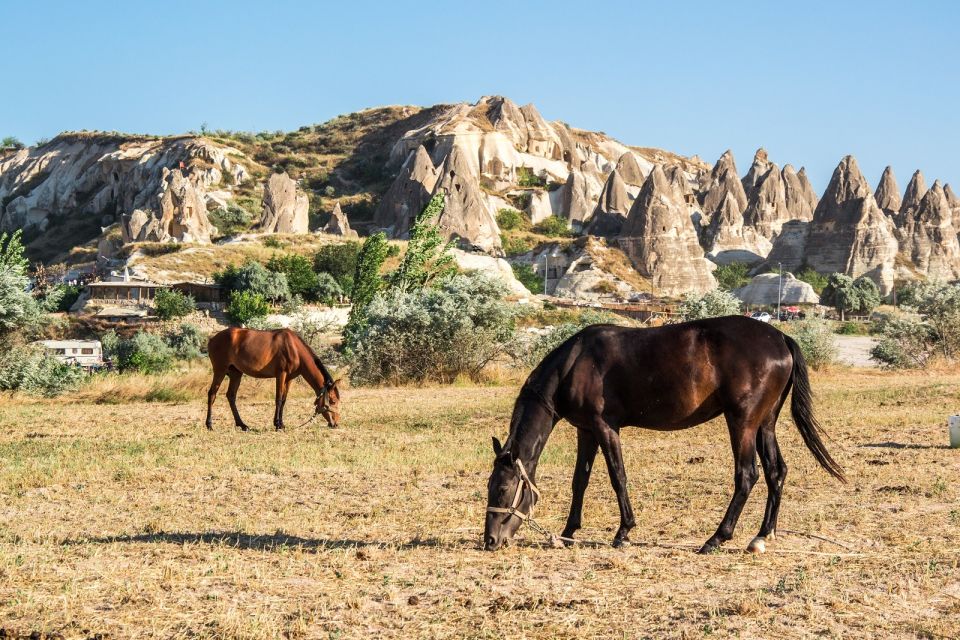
{"x": 854, "y": 351}
{"x": 133, "y": 521}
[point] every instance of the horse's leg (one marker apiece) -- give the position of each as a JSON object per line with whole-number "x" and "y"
{"x": 775, "y": 473}
{"x": 280, "y": 398}
{"x": 587, "y": 446}
{"x": 743, "y": 438}
{"x": 235, "y": 377}
{"x": 609, "y": 440}
{"x": 212, "y": 395}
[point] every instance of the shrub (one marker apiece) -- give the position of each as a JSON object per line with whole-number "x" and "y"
{"x": 934, "y": 328}
{"x": 312, "y": 329}
{"x": 712, "y": 304}
{"x": 814, "y": 279}
{"x": 939, "y": 305}
{"x": 511, "y": 219}
{"x": 143, "y": 353}
{"x": 515, "y": 245}
{"x": 905, "y": 342}
{"x": 69, "y": 293}
{"x": 340, "y": 261}
{"x": 732, "y": 276}
{"x": 527, "y": 178}
{"x": 527, "y": 277}
{"x": 170, "y": 304}
{"x": 29, "y": 369}
{"x": 246, "y": 306}
{"x": 554, "y": 227}
{"x": 328, "y": 290}
{"x": 433, "y": 334}
{"x": 852, "y": 329}
{"x": 187, "y": 341}
{"x": 253, "y": 277}
{"x": 816, "y": 341}
{"x": 301, "y": 279}
{"x": 231, "y": 219}
{"x": 274, "y": 243}
{"x": 11, "y": 142}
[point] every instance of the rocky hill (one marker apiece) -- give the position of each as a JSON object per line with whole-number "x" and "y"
{"x": 674, "y": 217}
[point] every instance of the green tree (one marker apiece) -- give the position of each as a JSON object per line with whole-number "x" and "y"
{"x": 255, "y": 278}
{"x": 340, "y": 261}
{"x": 328, "y": 290}
{"x": 711, "y": 304}
{"x": 527, "y": 277}
{"x": 732, "y": 276}
{"x": 170, "y": 304}
{"x": 19, "y": 311}
{"x": 816, "y": 280}
{"x": 11, "y": 142}
{"x": 246, "y": 306}
{"x": 428, "y": 256}
{"x": 366, "y": 281}
{"x": 846, "y": 295}
{"x": 298, "y": 270}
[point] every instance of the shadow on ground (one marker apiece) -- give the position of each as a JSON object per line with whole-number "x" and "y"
{"x": 246, "y": 541}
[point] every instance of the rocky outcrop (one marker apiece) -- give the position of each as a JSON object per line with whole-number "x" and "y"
{"x": 612, "y": 209}
{"x": 466, "y": 215}
{"x": 408, "y": 195}
{"x": 110, "y": 177}
{"x": 285, "y": 206}
{"x": 722, "y": 180}
{"x": 338, "y": 225}
{"x": 929, "y": 241}
{"x": 575, "y": 204}
{"x": 916, "y": 189}
{"x": 798, "y": 194}
{"x": 767, "y": 203}
{"x": 730, "y": 240}
{"x": 767, "y": 288}
{"x": 660, "y": 239}
{"x": 629, "y": 170}
{"x": 759, "y": 168}
{"x": 887, "y": 194}
{"x": 849, "y": 233}
{"x": 789, "y": 249}
{"x": 497, "y": 268}
{"x": 954, "y": 203}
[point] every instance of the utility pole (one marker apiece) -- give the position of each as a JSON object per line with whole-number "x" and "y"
{"x": 779, "y": 290}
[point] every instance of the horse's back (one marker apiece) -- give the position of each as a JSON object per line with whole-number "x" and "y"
{"x": 252, "y": 351}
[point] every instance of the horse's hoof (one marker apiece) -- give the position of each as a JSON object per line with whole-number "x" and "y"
{"x": 757, "y": 545}
{"x": 621, "y": 543}
{"x": 708, "y": 548}
{"x": 243, "y": 427}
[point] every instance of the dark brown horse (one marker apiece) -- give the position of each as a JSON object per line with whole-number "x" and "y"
{"x": 279, "y": 354}
{"x": 668, "y": 378}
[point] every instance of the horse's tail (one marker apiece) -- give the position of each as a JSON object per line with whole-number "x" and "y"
{"x": 801, "y": 408}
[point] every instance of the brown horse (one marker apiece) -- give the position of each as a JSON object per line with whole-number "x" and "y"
{"x": 279, "y": 354}
{"x": 668, "y": 378}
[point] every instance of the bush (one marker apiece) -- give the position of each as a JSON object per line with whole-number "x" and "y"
{"x": 231, "y": 220}
{"x": 554, "y": 227}
{"x": 712, "y": 304}
{"x": 69, "y": 293}
{"x": 816, "y": 341}
{"x": 527, "y": 277}
{"x": 328, "y": 290}
{"x": 187, "y": 341}
{"x": 814, "y": 279}
{"x": 30, "y": 370}
{"x": 939, "y": 306}
{"x": 905, "y": 342}
{"x": 143, "y": 353}
{"x": 516, "y": 245}
{"x": 511, "y": 219}
{"x": 433, "y": 334}
{"x": 254, "y": 278}
{"x": 170, "y": 304}
{"x": 527, "y": 178}
{"x": 732, "y": 276}
{"x": 933, "y": 328}
{"x": 312, "y": 329}
{"x": 340, "y": 261}
{"x": 301, "y": 279}
{"x": 852, "y": 329}
{"x": 246, "y": 306}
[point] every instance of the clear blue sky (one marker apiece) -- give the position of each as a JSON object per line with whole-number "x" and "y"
{"x": 810, "y": 81}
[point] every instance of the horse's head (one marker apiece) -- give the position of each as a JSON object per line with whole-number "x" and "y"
{"x": 511, "y": 496}
{"x": 328, "y": 403}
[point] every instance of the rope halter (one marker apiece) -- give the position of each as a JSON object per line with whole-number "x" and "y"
{"x": 514, "y": 508}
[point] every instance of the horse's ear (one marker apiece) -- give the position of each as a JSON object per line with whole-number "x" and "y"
{"x": 497, "y": 447}
{"x": 337, "y": 381}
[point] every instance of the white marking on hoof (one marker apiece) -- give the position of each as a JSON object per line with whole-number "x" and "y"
{"x": 757, "y": 545}
{"x": 772, "y": 536}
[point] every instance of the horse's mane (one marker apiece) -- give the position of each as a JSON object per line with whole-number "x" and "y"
{"x": 328, "y": 378}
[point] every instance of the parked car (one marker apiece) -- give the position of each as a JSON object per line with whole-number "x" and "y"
{"x": 762, "y": 316}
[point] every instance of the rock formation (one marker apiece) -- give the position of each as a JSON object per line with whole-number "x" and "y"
{"x": 408, "y": 195}
{"x": 767, "y": 202}
{"x": 285, "y": 207}
{"x": 722, "y": 180}
{"x": 930, "y": 241}
{"x": 759, "y": 168}
{"x": 887, "y": 194}
{"x": 629, "y": 170}
{"x": 660, "y": 239}
{"x": 730, "y": 240}
{"x": 338, "y": 225}
{"x": 612, "y": 209}
{"x": 789, "y": 249}
{"x": 765, "y": 289}
{"x": 849, "y": 233}
{"x": 181, "y": 214}
{"x": 575, "y": 204}
{"x": 799, "y": 197}
{"x": 916, "y": 189}
{"x": 466, "y": 215}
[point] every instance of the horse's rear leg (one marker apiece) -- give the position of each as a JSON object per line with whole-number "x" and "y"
{"x": 743, "y": 437}
{"x": 609, "y": 440}
{"x": 775, "y": 473}
{"x": 587, "y": 446}
{"x": 235, "y": 377}
{"x": 212, "y": 395}
{"x": 279, "y": 400}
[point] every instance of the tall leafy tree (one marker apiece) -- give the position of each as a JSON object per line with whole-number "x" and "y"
{"x": 428, "y": 256}
{"x": 366, "y": 279}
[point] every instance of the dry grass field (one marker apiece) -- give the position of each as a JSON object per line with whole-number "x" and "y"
{"x": 126, "y": 518}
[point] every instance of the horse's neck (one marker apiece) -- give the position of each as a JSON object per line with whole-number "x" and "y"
{"x": 312, "y": 374}
{"x": 532, "y": 424}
